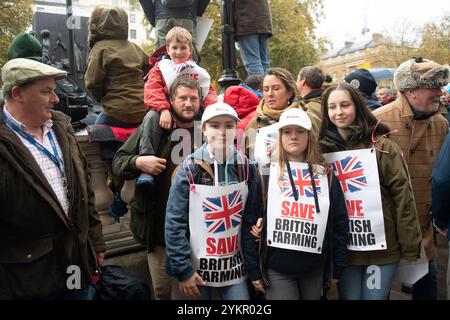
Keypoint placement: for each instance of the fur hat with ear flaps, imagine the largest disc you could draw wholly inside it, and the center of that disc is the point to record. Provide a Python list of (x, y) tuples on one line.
[(418, 73)]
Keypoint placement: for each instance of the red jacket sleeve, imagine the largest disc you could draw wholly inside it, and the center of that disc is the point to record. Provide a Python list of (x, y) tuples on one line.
[(210, 98), (155, 90)]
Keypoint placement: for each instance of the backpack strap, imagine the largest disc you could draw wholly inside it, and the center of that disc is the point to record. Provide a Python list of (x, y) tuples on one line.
[(205, 166), (243, 168), (189, 175), (174, 173), (330, 176), (239, 168), (264, 194)]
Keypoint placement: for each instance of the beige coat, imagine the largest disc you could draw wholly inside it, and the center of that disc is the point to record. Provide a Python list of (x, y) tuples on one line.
[(420, 141)]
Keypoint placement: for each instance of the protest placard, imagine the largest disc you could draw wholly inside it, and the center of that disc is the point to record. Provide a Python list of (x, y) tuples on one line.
[(215, 216), (297, 224), (357, 172), (265, 144)]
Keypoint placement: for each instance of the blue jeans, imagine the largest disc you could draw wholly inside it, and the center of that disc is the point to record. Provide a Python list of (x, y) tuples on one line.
[(113, 122), (367, 282), (426, 288), (234, 292), (254, 53)]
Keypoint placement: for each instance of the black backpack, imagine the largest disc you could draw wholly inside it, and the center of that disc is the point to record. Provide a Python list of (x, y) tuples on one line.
[(117, 283), (72, 99)]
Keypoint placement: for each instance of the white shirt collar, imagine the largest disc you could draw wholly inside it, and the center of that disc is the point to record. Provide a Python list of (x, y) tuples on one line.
[(47, 126)]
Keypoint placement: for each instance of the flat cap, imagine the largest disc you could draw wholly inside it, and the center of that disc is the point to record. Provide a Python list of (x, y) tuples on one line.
[(19, 71)]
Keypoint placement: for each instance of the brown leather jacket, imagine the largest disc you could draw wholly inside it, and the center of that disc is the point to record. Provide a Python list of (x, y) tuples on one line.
[(252, 17)]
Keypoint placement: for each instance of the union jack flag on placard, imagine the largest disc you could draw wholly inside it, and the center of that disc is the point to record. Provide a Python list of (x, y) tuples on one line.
[(302, 182), (269, 143), (350, 174), (224, 212), (181, 68)]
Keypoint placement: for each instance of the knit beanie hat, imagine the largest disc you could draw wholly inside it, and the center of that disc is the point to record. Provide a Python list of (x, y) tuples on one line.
[(420, 73), (24, 45), (362, 80)]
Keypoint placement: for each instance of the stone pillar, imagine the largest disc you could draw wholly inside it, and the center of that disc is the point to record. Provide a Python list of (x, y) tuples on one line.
[(99, 173), (121, 248), (117, 235), (127, 193)]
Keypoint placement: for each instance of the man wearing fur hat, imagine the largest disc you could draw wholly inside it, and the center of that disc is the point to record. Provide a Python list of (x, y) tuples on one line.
[(417, 115)]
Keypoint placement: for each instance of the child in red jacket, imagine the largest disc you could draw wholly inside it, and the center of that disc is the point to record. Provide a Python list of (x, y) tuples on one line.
[(156, 91)]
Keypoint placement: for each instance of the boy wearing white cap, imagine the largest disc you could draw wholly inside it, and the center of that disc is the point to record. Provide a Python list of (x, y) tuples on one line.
[(300, 253), (204, 213)]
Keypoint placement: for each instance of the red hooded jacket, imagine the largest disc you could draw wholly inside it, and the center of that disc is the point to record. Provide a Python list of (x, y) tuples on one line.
[(243, 101)]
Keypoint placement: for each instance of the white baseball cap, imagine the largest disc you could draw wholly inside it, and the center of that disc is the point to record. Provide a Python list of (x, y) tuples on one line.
[(295, 117), (219, 109)]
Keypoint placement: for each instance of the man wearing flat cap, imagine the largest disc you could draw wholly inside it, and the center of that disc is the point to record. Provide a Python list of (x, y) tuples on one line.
[(417, 115), (50, 234)]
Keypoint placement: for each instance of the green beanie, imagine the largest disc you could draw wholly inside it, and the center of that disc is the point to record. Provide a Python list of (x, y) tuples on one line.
[(24, 45)]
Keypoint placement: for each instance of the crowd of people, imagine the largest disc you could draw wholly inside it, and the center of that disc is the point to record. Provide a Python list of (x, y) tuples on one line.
[(293, 188)]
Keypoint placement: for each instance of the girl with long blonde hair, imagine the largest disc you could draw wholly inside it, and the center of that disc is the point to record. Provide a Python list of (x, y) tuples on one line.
[(293, 274)]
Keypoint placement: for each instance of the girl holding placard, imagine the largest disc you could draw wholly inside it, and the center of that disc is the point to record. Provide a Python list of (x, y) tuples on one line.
[(305, 223), (383, 225)]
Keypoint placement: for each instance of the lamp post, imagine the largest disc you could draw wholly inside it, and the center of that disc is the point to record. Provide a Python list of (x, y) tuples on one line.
[(70, 25), (229, 76)]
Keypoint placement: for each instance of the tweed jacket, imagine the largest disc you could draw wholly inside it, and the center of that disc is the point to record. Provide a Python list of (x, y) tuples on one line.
[(420, 141)]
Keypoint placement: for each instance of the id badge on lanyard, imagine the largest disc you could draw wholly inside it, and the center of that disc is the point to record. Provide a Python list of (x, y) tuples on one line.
[(55, 158)]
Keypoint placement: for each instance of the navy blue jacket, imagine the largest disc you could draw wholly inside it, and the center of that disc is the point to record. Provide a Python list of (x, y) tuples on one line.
[(372, 102), (441, 188)]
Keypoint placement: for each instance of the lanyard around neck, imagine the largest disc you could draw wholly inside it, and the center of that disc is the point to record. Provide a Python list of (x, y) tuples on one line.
[(291, 180), (53, 157)]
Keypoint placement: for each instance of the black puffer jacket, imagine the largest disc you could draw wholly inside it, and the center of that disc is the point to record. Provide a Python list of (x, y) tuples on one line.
[(163, 12), (372, 102), (154, 10)]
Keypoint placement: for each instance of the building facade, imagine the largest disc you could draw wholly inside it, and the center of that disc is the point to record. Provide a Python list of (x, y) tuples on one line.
[(365, 54), (137, 33)]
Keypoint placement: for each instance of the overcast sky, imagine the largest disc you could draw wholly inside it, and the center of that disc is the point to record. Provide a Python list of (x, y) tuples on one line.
[(345, 19)]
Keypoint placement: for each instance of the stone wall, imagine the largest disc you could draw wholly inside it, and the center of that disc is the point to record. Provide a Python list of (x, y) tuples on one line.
[(121, 249)]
